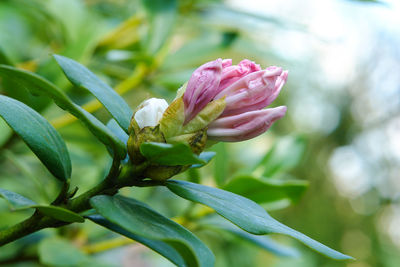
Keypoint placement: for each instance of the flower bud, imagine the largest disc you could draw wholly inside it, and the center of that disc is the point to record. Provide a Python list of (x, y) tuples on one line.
[(254, 91), (244, 126), (144, 127)]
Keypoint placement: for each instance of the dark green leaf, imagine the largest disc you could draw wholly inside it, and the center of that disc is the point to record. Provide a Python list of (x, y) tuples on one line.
[(139, 219), (169, 154), (39, 135), (245, 213), (162, 16), (4, 58), (56, 251), (16, 201), (80, 76), (266, 191), (206, 157), (39, 86), (163, 248), (117, 131), (60, 213)]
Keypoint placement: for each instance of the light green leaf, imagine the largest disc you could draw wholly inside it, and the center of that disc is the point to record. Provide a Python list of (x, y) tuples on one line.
[(206, 156), (163, 248), (39, 135), (283, 156), (245, 213), (15, 200), (57, 251), (60, 213), (161, 15), (39, 86), (82, 77), (221, 166), (139, 219), (169, 154), (267, 191)]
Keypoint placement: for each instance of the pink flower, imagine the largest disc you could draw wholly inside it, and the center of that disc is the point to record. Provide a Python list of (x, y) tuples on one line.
[(247, 90), (244, 126), (210, 79)]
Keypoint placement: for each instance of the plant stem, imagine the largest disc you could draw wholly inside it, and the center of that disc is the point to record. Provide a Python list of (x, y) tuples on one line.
[(108, 186)]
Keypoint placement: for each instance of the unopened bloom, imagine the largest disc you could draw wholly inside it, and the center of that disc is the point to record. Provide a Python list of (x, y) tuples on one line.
[(244, 126), (209, 80), (150, 112)]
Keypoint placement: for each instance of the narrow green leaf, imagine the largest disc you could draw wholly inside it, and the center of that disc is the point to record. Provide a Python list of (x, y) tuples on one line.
[(245, 213), (169, 154), (15, 200), (163, 248), (39, 86), (56, 251), (267, 191), (117, 131), (60, 213), (82, 77), (221, 165), (18, 202), (39, 135), (139, 219), (162, 16), (4, 59), (206, 156)]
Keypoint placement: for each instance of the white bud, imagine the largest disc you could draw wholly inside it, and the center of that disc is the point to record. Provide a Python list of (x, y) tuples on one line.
[(150, 112)]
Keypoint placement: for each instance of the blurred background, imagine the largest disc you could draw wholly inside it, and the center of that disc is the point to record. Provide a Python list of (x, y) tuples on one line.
[(341, 134)]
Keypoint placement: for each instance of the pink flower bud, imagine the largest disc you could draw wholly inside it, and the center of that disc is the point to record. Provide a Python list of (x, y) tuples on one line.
[(254, 91), (244, 126), (202, 88)]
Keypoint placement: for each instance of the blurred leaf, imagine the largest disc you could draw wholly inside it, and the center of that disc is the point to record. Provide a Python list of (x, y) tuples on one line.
[(19, 202), (15, 200), (82, 77), (57, 251), (4, 58), (245, 213), (283, 156), (139, 219), (161, 15), (60, 213), (39, 86), (206, 156), (39, 135), (163, 248), (221, 164), (169, 154), (264, 191)]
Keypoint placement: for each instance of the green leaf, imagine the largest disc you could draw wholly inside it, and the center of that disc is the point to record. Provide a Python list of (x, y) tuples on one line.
[(162, 15), (82, 77), (245, 213), (60, 213), (15, 200), (163, 248), (117, 131), (40, 86), (18, 202), (39, 135), (4, 58), (169, 154), (283, 156), (221, 165), (206, 156), (139, 219), (267, 191), (57, 251)]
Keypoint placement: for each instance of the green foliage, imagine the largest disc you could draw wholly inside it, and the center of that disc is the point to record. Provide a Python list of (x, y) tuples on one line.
[(39, 86), (244, 213), (141, 220), (80, 76), (60, 252), (39, 135), (169, 154)]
